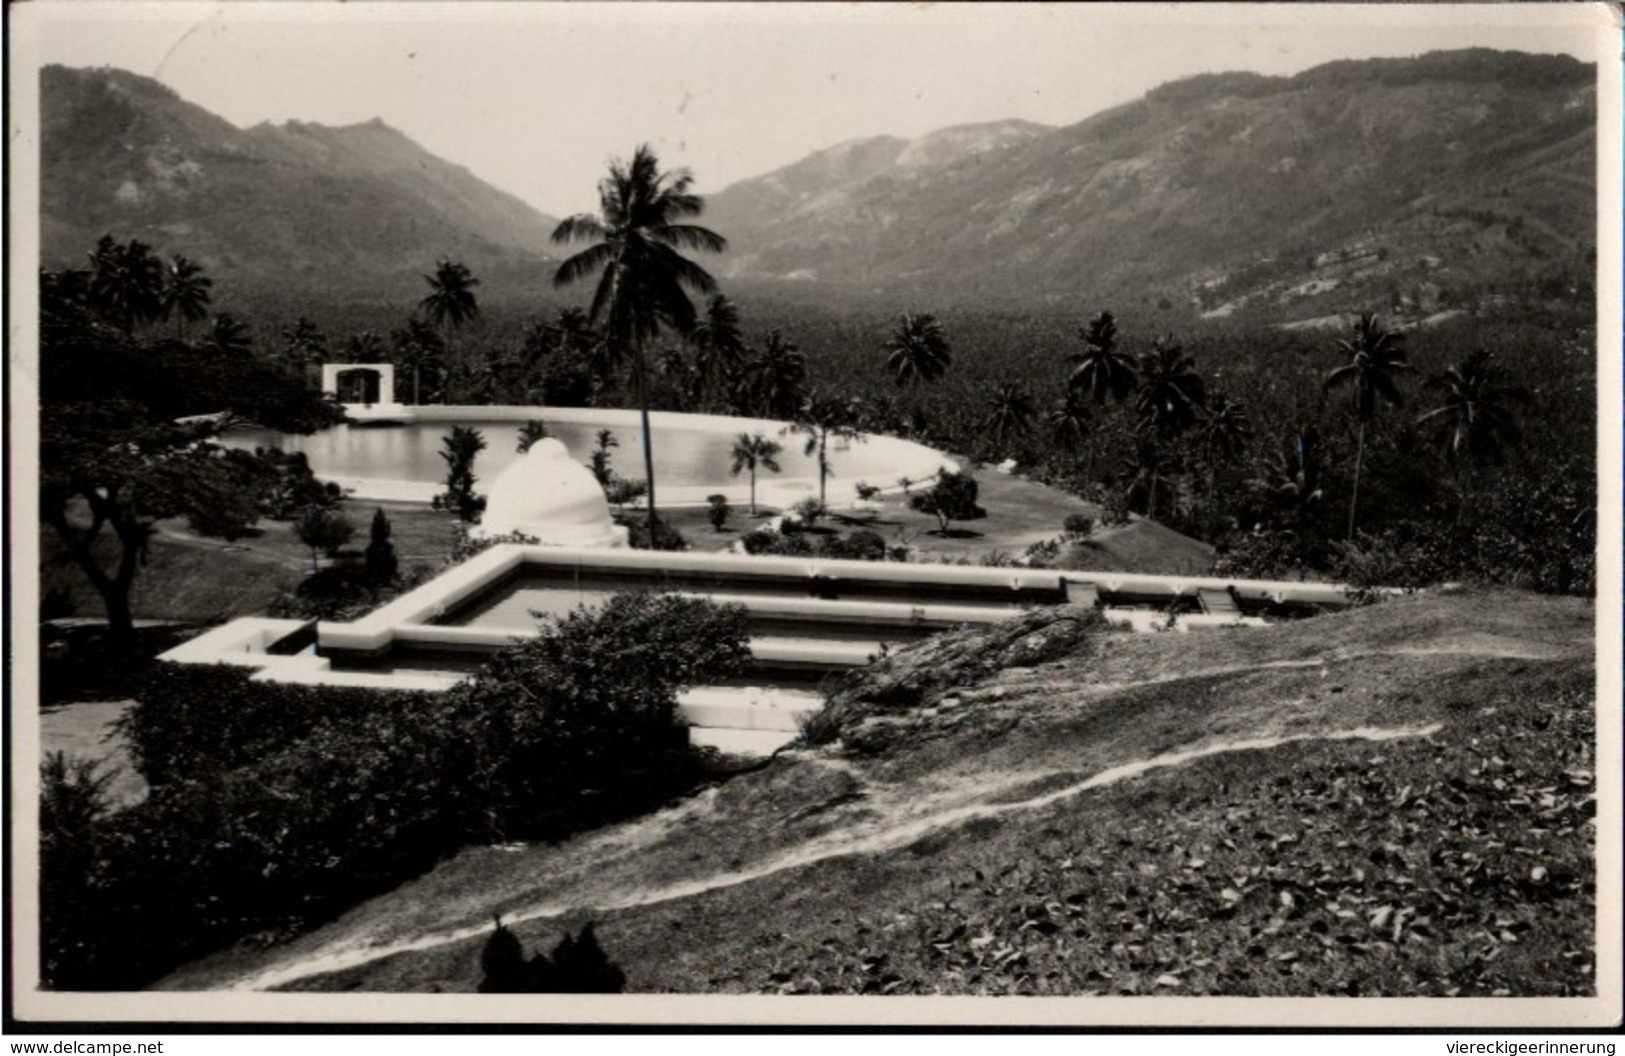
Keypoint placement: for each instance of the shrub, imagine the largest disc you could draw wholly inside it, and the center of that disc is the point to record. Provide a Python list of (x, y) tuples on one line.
[(382, 567), (861, 545), (866, 491), (458, 450), (325, 531), (1078, 526), (293, 487), (778, 544), (808, 512), (623, 492), (638, 537), (718, 511), (275, 806), (579, 965)]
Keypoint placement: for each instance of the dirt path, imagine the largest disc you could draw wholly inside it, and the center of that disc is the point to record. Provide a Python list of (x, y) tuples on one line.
[(886, 823)]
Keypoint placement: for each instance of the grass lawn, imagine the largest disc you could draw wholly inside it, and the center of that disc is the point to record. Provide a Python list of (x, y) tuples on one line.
[(1020, 513), (192, 579)]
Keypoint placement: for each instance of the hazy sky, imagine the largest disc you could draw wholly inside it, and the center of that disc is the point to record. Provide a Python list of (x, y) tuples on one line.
[(535, 98)]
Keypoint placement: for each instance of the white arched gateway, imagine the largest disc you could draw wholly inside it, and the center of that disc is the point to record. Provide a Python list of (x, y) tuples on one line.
[(367, 384)]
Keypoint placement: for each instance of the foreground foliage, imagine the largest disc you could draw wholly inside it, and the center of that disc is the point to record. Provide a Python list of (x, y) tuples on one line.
[(275, 806)]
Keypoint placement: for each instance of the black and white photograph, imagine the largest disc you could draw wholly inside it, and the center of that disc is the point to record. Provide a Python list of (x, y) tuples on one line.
[(807, 514)]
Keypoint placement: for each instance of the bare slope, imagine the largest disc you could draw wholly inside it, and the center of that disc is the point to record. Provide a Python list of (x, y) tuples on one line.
[(1392, 800)]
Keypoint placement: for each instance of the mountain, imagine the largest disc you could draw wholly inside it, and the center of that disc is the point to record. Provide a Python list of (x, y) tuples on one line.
[(361, 209), (1456, 175)]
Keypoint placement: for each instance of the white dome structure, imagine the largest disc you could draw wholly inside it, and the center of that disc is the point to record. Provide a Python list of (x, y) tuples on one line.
[(550, 497)]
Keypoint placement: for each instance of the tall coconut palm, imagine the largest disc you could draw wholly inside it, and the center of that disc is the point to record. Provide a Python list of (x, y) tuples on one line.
[(1475, 423), (1226, 431), (1069, 421), (1171, 399), (126, 282), (186, 293), (774, 382), (451, 294), (1010, 414), (1101, 369), (642, 276), (753, 453), (451, 298), (418, 348), (719, 344), (303, 346), (1375, 355), (919, 349), (364, 346)]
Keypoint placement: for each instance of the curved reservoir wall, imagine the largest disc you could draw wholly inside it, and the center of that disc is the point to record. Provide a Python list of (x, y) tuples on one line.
[(692, 453)]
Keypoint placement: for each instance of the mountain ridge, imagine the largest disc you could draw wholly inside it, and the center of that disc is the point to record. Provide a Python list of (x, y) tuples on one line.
[(1462, 169), (1453, 181), (359, 208)]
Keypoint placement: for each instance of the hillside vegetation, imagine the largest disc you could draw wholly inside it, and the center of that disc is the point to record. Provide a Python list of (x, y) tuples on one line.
[(1394, 800)]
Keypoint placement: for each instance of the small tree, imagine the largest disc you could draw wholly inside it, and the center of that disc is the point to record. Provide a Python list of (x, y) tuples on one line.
[(718, 511), (382, 565), (460, 447), (530, 432), (951, 498), (820, 419), (753, 452), (325, 532), (599, 460)]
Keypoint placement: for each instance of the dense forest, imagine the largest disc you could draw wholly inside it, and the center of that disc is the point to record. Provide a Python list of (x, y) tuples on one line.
[(1262, 466)]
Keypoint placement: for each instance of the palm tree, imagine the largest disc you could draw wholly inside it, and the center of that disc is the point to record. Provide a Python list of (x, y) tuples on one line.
[(642, 276), (186, 293), (1100, 369), (228, 337), (751, 452), (1225, 433), (126, 282), (822, 417), (451, 299), (774, 382), (1474, 423), (451, 294), (416, 347), (1011, 414), (1375, 356), (364, 347), (303, 346), (719, 345), (919, 349), (1170, 401)]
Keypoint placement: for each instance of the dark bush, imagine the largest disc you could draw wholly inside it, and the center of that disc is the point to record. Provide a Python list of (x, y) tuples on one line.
[(275, 806), (1078, 525), (382, 567), (861, 545), (718, 511), (194, 720), (579, 965), (665, 536)]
